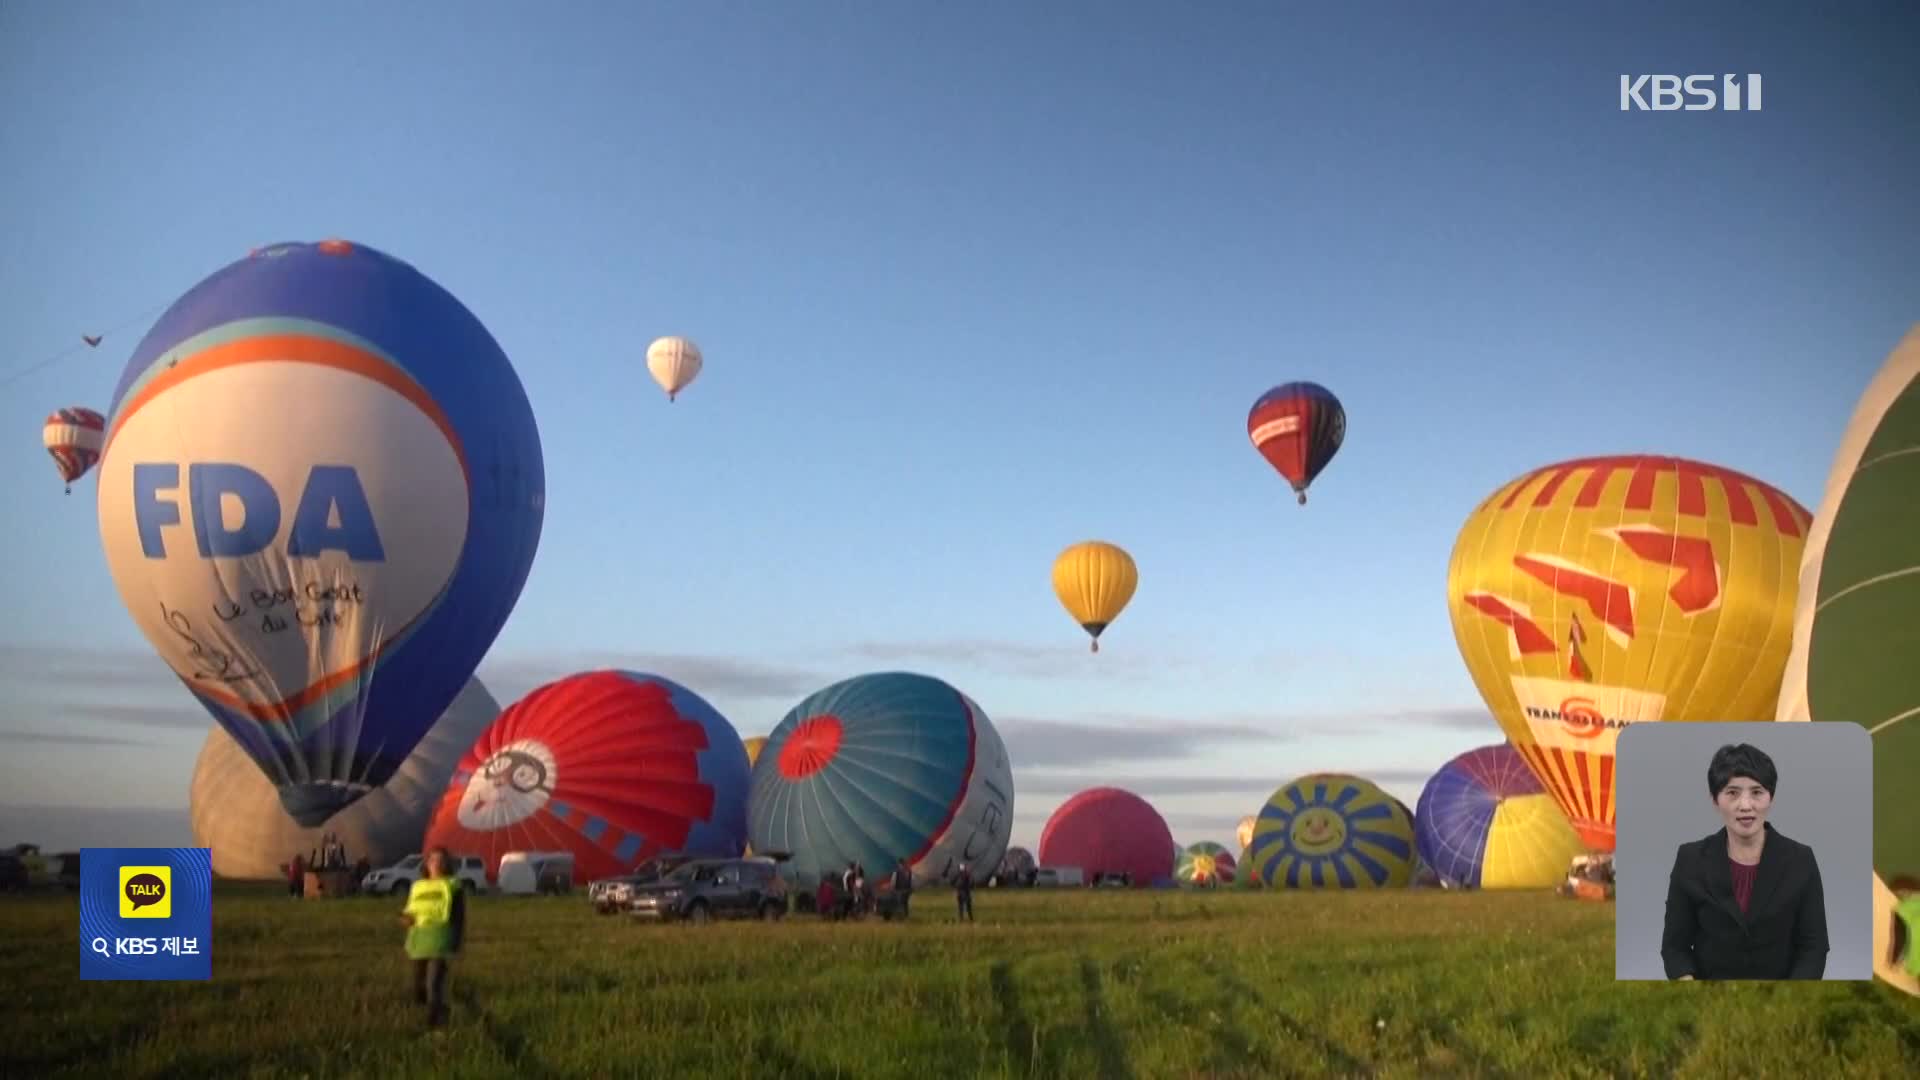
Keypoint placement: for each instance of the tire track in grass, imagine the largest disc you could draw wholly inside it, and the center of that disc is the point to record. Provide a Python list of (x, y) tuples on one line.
[(1106, 1041), (1331, 1053), (505, 1037)]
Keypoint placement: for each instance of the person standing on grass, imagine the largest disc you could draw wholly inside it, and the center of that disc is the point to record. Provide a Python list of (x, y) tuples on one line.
[(903, 886), (296, 876), (963, 893), (436, 920)]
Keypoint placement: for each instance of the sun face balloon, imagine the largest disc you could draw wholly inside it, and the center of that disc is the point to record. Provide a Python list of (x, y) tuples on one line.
[(1602, 592), (235, 810), (614, 766), (884, 767), (1485, 822), (320, 493), (1331, 830), (1856, 631)]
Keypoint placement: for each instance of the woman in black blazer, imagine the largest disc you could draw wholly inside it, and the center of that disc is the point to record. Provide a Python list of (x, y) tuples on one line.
[(1744, 902)]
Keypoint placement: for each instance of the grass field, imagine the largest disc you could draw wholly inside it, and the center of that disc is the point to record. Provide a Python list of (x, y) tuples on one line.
[(1076, 984)]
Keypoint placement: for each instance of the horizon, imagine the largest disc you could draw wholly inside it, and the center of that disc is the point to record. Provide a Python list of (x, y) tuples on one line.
[(972, 287)]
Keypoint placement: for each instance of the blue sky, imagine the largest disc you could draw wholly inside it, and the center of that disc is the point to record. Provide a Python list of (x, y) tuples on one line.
[(975, 282)]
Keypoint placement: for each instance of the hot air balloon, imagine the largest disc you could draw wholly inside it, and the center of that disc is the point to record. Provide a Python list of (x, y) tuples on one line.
[(1423, 874), (1485, 822), (235, 810), (1297, 427), (674, 362), (1108, 831), (613, 766), (1017, 866), (1243, 876), (321, 493), (1094, 581), (1243, 833), (1602, 592), (753, 747), (1856, 628), (1332, 830), (879, 768), (74, 437), (1205, 864)]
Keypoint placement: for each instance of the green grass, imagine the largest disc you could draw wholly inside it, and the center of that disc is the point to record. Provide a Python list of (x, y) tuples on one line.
[(1077, 984)]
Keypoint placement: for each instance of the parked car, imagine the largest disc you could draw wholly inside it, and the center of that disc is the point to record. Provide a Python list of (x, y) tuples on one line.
[(13, 873), (1054, 877), (707, 889), (469, 870), (608, 895)]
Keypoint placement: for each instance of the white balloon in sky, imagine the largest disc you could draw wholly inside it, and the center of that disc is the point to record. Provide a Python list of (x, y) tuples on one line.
[(674, 362)]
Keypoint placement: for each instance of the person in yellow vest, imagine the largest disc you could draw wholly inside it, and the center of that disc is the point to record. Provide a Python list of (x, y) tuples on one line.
[(436, 921), (1906, 925)]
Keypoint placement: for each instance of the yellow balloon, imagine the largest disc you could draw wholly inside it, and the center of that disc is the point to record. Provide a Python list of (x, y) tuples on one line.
[(1602, 592), (1094, 581), (754, 746)]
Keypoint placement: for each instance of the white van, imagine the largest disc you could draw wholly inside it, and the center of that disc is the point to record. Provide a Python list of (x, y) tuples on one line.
[(1055, 877), (524, 873), (469, 870)]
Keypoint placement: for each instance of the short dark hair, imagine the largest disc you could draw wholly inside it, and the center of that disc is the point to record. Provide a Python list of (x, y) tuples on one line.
[(1741, 759)]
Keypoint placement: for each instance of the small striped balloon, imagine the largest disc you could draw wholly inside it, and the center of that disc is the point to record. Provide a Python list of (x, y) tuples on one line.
[(73, 436)]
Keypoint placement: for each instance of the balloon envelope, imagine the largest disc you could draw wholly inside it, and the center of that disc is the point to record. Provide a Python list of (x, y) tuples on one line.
[(674, 362), (880, 768), (1297, 427), (1107, 830), (1331, 830), (1856, 628), (1017, 863), (320, 494), (613, 766), (1243, 833), (1485, 821), (73, 438), (1205, 863), (1602, 592), (236, 812), (1094, 581)]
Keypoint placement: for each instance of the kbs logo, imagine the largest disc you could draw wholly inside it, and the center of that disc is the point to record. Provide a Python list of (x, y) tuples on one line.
[(1670, 93)]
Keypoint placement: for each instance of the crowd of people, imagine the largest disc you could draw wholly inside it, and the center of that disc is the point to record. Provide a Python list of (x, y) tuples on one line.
[(855, 894)]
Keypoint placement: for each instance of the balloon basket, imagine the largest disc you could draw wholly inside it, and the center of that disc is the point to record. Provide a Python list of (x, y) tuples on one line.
[(327, 885)]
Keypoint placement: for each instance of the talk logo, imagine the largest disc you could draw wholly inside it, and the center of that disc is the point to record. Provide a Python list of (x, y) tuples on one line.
[(1599, 593), (146, 892)]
